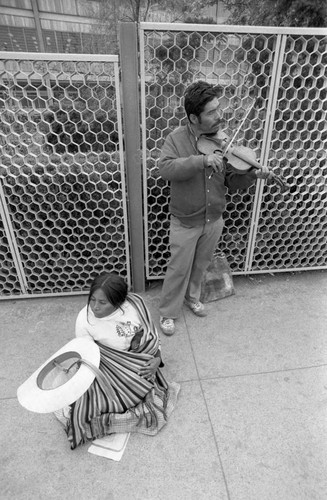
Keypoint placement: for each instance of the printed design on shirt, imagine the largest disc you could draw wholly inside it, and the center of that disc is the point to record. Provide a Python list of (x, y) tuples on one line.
[(126, 329)]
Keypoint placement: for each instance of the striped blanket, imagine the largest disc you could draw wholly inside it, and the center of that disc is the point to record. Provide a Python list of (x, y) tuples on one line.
[(119, 400)]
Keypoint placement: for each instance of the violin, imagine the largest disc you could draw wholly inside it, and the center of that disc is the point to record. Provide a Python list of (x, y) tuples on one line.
[(241, 158)]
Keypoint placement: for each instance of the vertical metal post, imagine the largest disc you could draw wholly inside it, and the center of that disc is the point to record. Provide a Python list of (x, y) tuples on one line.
[(266, 141), (38, 26), (40, 39), (132, 139)]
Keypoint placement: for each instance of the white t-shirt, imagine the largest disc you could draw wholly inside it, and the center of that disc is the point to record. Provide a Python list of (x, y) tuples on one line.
[(115, 330)]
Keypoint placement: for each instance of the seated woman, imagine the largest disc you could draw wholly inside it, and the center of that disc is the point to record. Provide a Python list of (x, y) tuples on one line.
[(132, 395)]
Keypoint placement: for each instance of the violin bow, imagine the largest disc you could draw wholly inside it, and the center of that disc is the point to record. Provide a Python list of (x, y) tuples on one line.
[(228, 145)]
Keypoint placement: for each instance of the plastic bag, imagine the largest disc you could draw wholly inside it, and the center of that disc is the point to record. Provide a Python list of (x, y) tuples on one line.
[(217, 282)]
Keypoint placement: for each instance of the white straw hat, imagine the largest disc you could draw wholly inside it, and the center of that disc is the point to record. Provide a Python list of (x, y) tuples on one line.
[(62, 379)]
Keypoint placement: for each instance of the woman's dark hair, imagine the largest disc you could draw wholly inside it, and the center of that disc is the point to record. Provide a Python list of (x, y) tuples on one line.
[(114, 287), (197, 95)]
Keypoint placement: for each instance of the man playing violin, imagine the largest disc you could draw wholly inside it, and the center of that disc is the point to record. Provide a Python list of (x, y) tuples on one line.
[(198, 184)]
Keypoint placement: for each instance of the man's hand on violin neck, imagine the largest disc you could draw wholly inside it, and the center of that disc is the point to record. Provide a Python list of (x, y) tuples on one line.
[(215, 161), (264, 173)]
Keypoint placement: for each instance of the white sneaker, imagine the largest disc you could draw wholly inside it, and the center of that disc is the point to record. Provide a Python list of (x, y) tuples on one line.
[(196, 307), (167, 325)]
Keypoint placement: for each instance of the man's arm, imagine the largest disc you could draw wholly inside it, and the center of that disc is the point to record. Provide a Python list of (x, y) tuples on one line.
[(235, 181), (174, 166)]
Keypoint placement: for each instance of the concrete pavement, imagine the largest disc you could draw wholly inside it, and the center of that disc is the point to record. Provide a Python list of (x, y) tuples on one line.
[(251, 420)]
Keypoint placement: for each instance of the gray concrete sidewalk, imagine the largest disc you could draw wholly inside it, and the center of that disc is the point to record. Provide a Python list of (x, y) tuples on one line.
[(251, 420)]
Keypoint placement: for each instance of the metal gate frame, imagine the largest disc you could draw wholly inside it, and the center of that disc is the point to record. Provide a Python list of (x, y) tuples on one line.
[(281, 39), (136, 159), (5, 216)]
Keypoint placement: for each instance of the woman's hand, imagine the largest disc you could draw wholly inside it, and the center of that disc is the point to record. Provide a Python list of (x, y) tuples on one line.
[(149, 369)]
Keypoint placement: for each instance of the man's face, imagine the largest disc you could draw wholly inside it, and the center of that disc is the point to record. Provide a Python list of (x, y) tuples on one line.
[(208, 122)]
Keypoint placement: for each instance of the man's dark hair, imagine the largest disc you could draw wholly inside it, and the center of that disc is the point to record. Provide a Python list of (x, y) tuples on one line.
[(197, 95)]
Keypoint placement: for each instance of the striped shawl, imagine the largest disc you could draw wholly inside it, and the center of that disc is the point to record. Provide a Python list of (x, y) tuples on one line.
[(119, 400)]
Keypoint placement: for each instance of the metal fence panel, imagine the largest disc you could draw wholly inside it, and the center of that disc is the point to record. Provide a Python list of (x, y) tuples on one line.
[(254, 68), (292, 228), (62, 170)]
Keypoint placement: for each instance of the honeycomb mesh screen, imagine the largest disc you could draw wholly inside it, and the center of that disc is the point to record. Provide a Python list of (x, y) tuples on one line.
[(61, 174), (277, 85)]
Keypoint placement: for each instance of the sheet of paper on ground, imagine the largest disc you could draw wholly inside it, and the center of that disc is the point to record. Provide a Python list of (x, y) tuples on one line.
[(112, 446)]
